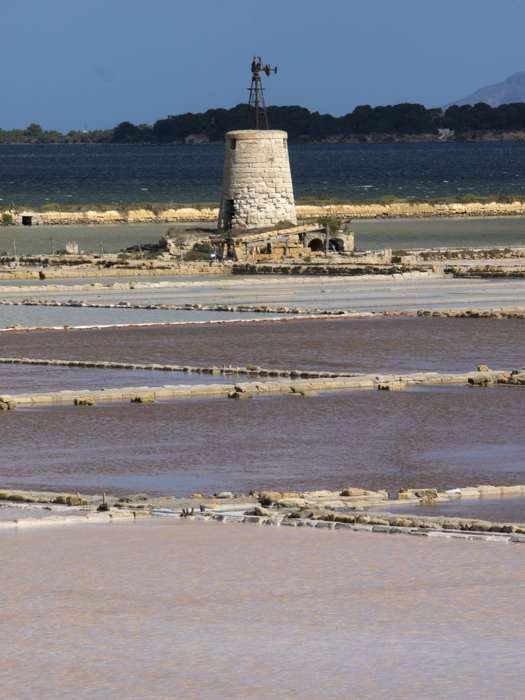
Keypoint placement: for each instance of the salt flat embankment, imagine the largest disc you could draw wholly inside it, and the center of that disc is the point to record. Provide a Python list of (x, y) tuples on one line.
[(189, 213)]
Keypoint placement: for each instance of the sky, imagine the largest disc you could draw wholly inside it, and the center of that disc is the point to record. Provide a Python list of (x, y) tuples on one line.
[(91, 64)]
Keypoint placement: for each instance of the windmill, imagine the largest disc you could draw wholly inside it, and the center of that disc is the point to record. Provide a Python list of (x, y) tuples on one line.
[(256, 107)]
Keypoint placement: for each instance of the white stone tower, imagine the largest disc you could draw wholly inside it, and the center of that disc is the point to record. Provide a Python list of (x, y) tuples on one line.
[(257, 187)]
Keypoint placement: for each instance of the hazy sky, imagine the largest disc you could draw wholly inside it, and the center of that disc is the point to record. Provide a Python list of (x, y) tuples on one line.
[(71, 63)]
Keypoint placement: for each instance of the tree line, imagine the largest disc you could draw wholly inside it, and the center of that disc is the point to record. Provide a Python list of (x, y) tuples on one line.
[(299, 122)]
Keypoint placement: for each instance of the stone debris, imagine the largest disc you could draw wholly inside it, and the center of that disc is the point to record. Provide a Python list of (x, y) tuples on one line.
[(7, 403), (144, 398), (320, 509)]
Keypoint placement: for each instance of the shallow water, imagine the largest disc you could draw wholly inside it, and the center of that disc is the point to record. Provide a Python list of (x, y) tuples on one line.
[(369, 235), (158, 610), (380, 345), (438, 437), (508, 508), (15, 512), (439, 233), (58, 316), (43, 240), (21, 379)]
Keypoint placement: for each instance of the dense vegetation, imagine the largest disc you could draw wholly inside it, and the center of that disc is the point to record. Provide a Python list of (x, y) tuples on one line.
[(300, 123), (35, 134)]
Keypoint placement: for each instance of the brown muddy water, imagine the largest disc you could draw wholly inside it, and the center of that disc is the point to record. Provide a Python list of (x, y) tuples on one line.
[(379, 345), (202, 610), (443, 437)]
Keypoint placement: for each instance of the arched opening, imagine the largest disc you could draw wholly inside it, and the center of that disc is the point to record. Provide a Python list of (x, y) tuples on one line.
[(316, 244)]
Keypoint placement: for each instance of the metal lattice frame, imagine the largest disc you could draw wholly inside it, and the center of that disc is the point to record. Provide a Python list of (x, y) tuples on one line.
[(256, 107)]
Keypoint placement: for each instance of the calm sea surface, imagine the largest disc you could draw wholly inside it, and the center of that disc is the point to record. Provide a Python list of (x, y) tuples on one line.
[(181, 609), (34, 176)]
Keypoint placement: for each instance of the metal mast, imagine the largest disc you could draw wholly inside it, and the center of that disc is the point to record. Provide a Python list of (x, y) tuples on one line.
[(256, 106)]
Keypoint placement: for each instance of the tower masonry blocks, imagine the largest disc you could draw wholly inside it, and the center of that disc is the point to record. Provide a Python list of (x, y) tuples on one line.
[(257, 187)]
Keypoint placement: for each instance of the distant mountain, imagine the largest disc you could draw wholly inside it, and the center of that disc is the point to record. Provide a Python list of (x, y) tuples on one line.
[(509, 91)]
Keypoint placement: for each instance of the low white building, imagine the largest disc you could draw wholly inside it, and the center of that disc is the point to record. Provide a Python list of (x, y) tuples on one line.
[(196, 139)]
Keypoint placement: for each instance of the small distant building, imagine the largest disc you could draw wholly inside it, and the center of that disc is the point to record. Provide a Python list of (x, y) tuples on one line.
[(445, 135), (196, 139)]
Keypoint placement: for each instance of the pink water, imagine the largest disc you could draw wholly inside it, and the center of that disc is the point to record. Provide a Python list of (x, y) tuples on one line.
[(203, 610)]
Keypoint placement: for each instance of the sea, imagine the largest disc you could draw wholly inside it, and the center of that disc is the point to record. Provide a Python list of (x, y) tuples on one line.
[(38, 175), (33, 176)]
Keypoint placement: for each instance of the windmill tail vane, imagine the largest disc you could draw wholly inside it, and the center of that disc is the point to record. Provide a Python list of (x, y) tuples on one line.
[(256, 107)]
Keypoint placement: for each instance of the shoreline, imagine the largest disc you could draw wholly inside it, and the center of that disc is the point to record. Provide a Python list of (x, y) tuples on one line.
[(206, 213)]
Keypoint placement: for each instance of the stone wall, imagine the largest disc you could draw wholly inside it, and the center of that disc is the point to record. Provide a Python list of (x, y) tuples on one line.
[(257, 187)]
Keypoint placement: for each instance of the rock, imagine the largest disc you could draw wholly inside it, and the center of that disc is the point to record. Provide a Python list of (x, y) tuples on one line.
[(483, 380), (144, 398), (489, 490), (364, 519), (401, 522), (392, 386), (451, 525), (511, 490), (343, 518), (318, 494), (291, 503), (224, 494), (19, 498), (469, 493), (334, 505), (483, 368), (135, 498), (402, 495), (76, 501), (259, 510), (266, 498), (422, 493), (240, 395), (427, 501), (378, 521), (352, 492), (88, 401), (480, 526)]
